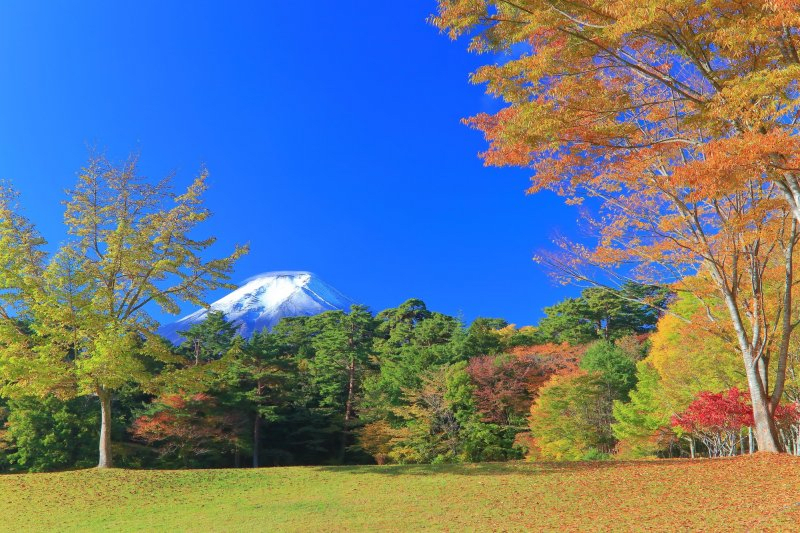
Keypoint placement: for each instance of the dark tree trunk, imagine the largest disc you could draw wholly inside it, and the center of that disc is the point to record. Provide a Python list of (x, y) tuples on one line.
[(348, 408), (351, 387), (256, 440)]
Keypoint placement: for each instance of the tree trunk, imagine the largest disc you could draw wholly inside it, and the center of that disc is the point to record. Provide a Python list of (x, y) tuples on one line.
[(765, 431), (105, 429), (756, 364), (256, 439), (348, 408), (797, 442), (351, 386)]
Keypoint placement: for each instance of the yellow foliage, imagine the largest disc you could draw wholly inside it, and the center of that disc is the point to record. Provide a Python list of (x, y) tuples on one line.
[(689, 360)]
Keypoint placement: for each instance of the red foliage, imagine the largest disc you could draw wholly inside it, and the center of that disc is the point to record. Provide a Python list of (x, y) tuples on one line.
[(787, 415), (557, 357), (186, 425), (729, 410), (506, 385), (717, 420), (724, 411)]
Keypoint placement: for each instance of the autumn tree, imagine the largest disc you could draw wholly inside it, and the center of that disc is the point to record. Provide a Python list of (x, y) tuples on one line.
[(571, 418), (504, 386), (132, 246), (442, 424), (690, 359), (435, 396), (186, 427), (677, 120), (717, 419)]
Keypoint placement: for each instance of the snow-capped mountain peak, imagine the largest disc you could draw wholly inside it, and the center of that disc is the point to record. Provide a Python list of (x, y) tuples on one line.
[(266, 298)]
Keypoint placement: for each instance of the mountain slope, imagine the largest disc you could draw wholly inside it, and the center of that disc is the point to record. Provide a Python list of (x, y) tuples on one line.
[(265, 299)]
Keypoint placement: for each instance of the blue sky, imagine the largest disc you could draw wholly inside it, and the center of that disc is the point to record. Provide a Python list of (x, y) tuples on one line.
[(331, 131)]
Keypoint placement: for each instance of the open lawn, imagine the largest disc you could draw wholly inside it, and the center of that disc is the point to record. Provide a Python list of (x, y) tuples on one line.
[(745, 493)]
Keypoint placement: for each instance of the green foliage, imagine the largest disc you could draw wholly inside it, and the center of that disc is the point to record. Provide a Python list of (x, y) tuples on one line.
[(601, 313), (406, 351), (442, 424), (480, 441), (50, 434), (342, 351), (131, 246), (407, 385), (483, 337), (639, 420), (396, 326), (208, 340), (567, 321), (616, 368)]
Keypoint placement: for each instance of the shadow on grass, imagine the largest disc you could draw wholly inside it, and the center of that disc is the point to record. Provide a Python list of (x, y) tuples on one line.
[(511, 468)]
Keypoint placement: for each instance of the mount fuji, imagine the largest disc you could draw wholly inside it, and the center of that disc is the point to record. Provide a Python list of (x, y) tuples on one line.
[(265, 299)]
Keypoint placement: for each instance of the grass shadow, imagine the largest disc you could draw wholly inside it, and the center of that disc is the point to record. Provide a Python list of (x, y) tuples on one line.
[(511, 468)]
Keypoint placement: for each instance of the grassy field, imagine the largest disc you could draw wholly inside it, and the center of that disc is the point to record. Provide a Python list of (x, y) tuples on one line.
[(747, 493)]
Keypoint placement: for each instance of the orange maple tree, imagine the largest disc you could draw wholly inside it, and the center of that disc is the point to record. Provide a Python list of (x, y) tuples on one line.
[(679, 121), (187, 425)]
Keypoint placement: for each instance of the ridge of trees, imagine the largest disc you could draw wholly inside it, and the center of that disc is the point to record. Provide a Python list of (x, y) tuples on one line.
[(403, 385)]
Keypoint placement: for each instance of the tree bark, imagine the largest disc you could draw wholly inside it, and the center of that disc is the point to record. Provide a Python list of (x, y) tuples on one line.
[(351, 386), (765, 431), (256, 439), (797, 442), (105, 429), (348, 408)]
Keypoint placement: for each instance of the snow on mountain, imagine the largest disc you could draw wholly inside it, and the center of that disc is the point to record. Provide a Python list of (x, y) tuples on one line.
[(264, 299)]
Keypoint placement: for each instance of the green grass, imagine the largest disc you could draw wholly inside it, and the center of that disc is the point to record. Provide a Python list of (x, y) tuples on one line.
[(749, 493)]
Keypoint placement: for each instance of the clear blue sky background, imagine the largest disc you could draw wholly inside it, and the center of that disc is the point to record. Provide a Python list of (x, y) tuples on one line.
[(331, 130)]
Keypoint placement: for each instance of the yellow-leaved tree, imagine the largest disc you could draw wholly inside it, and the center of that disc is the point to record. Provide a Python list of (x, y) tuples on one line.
[(77, 322)]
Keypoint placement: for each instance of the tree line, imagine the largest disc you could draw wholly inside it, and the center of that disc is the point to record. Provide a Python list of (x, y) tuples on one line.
[(82, 367), (405, 385), (600, 376), (644, 370)]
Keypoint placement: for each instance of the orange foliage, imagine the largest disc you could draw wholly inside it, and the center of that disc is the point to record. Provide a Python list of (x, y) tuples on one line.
[(557, 357), (679, 121), (186, 425)]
